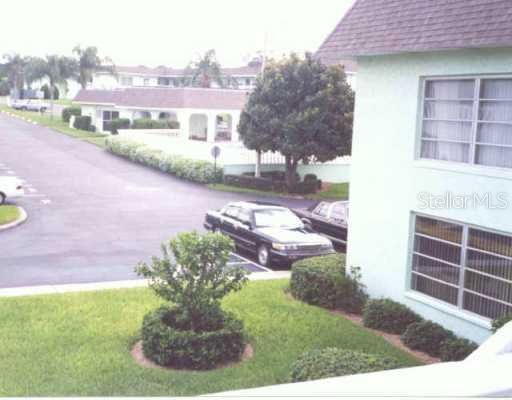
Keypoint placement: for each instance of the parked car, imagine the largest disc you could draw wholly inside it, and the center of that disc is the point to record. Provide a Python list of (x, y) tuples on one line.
[(29, 105), (328, 219), (10, 187), (274, 234)]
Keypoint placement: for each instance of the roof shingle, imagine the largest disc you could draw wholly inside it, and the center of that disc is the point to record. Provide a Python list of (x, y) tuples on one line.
[(376, 27)]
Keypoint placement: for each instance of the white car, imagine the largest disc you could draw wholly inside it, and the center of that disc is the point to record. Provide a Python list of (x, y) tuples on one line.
[(10, 187), (30, 105)]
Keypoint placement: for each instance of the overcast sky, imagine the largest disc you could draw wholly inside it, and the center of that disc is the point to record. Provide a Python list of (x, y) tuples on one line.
[(156, 32)]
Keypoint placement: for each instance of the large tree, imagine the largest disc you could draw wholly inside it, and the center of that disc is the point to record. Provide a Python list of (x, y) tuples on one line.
[(14, 70), (301, 109), (88, 63), (205, 71)]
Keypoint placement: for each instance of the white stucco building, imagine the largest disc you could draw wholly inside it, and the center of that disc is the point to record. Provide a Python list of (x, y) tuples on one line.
[(431, 178)]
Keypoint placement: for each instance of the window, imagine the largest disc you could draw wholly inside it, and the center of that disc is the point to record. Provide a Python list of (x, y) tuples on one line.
[(322, 209), (231, 212), (466, 266), (162, 81), (468, 121), (147, 81), (340, 211), (110, 115), (276, 218)]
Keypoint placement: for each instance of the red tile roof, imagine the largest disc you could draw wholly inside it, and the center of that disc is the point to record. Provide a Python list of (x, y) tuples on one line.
[(165, 98), (374, 27)]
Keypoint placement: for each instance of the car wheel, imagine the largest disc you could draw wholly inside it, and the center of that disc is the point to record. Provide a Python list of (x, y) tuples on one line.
[(2, 198), (263, 255)]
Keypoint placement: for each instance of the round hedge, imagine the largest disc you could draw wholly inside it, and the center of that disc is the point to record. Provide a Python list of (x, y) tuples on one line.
[(330, 362), (168, 341), (426, 336), (456, 349), (322, 281), (388, 316)]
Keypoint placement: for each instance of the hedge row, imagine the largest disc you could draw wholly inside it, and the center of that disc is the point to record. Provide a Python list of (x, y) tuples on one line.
[(273, 181), (322, 281), (417, 334), (186, 168), (83, 122), (147, 123)]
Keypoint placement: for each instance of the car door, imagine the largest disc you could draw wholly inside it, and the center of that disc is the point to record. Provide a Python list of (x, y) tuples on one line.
[(229, 221), (320, 217), (243, 230), (338, 219)]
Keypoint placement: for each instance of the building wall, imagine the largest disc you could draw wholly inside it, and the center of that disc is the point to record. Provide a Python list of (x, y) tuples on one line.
[(386, 179)]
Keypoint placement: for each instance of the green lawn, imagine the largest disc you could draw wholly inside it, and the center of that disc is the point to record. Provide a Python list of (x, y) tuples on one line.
[(337, 191), (78, 344), (58, 125), (64, 102), (8, 214)]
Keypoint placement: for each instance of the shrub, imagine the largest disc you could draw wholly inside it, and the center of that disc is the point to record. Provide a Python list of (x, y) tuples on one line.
[(167, 343), (147, 123), (322, 281), (330, 362), (189, 169), (313, 178), (305, 187), (426, 336), (193, 275), (249, 182), (456, 349), (388, 316), (501, 321), (69, 111), (119, 123), (82, 122)]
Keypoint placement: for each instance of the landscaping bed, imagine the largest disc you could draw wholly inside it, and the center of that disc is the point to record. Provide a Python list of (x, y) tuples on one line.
[(79, 344), (8, 214)]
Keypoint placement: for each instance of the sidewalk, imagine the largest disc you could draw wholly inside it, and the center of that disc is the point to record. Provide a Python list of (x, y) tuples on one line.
[(88, 287)]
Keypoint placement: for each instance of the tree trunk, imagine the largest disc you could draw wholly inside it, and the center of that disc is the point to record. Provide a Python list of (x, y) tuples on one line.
[(52, 90), (290, 172), (257, 168)]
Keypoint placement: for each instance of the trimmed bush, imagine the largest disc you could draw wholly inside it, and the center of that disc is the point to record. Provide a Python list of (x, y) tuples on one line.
[(322, 281), (306, 187), (189, 169), (69, 111), (147, 123), (388, 316), (313, 178), (331, 362), (456, 349), (501, 321), (82, 122), (119, 123), (249, 182), (426, 336), (168, 340)]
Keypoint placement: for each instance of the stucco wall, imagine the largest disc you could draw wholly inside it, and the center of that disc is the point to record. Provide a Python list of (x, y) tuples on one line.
[(386, 179)]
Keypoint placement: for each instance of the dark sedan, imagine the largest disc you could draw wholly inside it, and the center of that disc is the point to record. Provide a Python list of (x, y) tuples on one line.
[(328, 219), (273, 233)]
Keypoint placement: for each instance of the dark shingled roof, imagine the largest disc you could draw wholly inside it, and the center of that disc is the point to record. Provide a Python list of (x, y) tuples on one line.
[(213, 99), (376, 27)]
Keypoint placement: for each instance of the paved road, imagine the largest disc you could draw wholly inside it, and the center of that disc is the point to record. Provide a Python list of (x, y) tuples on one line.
[(92, 216)]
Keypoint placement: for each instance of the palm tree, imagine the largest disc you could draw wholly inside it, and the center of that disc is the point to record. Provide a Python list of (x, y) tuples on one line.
[(14, 69), (88, 63), (57, 69), (205, 71)]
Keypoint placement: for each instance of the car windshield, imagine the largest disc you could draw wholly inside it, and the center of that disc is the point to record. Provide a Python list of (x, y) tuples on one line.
[(276, 218)]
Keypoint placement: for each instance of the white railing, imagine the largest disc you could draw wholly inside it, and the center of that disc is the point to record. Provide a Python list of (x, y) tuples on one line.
[(486, 372)]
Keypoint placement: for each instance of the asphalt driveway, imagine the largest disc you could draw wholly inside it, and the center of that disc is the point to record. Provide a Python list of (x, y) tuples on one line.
[(92, 216)]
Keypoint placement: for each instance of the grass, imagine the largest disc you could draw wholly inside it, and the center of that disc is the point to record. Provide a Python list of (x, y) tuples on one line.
[(78, 344), (336, 191), (58, 125), (64, 102), (8, 214)]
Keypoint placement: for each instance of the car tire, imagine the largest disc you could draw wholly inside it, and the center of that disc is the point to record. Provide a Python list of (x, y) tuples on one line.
[(2, 198), (263, 255)]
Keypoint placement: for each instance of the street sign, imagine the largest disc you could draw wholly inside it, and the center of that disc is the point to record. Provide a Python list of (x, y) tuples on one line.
[(215, 151)]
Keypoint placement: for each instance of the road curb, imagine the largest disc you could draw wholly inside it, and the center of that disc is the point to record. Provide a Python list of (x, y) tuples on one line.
[(98, 286), (23, 217)]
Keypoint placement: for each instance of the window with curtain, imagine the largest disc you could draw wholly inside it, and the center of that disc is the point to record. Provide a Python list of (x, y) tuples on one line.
[(468, 121), (468, 267)]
